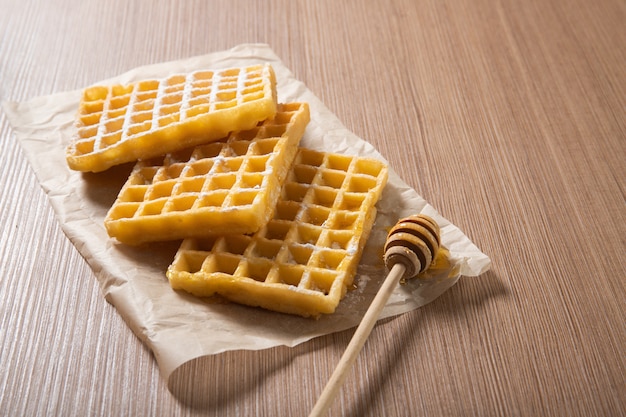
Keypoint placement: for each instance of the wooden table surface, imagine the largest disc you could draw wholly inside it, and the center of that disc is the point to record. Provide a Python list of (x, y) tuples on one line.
[(507, 116)]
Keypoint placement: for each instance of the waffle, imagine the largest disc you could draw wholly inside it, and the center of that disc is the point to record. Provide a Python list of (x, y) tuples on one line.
[(304, 259), (123, 123), (229, 186)]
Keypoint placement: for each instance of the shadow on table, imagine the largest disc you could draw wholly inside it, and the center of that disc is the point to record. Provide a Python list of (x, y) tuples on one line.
[(224, 381), (468, 295)]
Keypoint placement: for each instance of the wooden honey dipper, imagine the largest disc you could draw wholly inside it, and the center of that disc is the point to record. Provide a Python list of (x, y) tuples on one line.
[(411, 246)]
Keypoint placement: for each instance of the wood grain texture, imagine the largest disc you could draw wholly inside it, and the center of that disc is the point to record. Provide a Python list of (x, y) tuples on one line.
[(507, 116)]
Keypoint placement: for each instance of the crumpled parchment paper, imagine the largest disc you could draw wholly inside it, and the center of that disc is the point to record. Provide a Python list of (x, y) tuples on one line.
[(176, 326)]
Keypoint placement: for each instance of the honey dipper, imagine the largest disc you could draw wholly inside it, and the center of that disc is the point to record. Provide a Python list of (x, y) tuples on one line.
[(411, 246)]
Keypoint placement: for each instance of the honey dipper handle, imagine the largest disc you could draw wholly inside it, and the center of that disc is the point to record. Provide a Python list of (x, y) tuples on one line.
[(358, 340)]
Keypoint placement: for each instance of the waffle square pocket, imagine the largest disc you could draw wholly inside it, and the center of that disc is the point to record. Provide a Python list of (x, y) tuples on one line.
[(303, 260)]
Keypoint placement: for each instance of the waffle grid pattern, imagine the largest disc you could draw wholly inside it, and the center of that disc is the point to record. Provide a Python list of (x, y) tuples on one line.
[(123, 123), (230, 186), (304, 259)]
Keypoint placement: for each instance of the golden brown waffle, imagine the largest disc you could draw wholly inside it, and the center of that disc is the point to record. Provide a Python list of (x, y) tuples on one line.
[(304, 259), (124, 123), (230, 186)]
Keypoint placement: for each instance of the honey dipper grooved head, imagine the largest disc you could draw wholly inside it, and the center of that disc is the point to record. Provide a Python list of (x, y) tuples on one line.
[(413, 242)]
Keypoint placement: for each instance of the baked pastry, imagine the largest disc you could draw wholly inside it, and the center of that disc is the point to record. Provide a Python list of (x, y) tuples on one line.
[(124, 123), (229, 186), (303, 260)]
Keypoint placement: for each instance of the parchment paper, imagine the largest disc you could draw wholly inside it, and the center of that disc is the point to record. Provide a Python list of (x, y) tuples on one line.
[(176, 326)]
